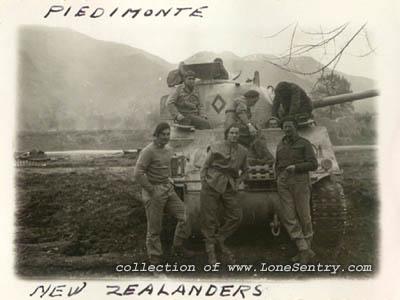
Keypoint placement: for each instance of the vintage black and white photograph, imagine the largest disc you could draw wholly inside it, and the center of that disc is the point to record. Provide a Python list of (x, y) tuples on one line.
[(195, 142)]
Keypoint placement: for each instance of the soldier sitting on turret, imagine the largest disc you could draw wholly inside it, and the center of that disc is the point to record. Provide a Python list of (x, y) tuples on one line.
[(239, 113), (185, 105), (294, 101), (221, 73)]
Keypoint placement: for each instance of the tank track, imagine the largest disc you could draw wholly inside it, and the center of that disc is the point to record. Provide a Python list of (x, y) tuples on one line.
[(329, 212)]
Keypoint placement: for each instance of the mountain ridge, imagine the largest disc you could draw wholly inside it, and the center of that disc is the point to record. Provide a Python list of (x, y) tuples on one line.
[(70, 81)]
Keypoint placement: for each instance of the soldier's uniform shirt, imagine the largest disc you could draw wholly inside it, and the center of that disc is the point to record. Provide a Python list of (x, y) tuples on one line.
[(298, 152), (222, 165), (153, 165), (152, 172), (294, 100), (185, 101), (218, 175), (238, 113), (294, 188)]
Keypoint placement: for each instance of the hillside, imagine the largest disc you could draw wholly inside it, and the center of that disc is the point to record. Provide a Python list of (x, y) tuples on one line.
[(69, 81)]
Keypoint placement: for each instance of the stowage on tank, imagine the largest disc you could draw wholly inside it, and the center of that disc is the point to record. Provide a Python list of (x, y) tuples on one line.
[(258, 193)]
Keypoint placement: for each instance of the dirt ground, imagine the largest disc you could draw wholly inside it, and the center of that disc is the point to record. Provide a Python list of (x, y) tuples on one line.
[(81, 217)]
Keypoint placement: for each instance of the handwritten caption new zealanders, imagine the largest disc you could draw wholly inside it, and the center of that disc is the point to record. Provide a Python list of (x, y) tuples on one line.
[(239, 291)]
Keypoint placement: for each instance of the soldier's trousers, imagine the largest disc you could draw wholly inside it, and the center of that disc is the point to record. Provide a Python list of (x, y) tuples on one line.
[(165, 198), (195, 121), (210, 200), (295, 213)]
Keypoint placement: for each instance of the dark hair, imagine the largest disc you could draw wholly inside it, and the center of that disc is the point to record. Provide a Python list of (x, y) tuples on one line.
[(289, 119), (190, 73), (283, 89), (274, 118), (161, 127), (251, 94), (229, 128), (218, 60)]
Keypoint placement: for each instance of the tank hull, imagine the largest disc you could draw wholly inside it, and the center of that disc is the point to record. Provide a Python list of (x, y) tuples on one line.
[(260, 204)]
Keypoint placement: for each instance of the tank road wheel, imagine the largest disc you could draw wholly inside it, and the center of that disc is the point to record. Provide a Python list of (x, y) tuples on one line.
[(329, 212)]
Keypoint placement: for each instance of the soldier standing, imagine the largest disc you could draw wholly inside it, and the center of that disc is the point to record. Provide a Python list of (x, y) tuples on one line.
[(220, 180), (294, 100), (152, 172), (295, 157), (185, 106)]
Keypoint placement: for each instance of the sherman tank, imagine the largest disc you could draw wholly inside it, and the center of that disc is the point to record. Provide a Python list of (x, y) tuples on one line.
[(258, 194)]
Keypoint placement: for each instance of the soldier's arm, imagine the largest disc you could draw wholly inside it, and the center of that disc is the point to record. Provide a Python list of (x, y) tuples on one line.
[(139, 174), (310, 161), (206, 166), (171, 103), (241, 111), (201, 108), (276, 159), (275, 106), (295, 101), (244, 168)]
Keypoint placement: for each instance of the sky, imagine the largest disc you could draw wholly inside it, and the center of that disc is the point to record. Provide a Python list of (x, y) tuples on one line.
[(224, 26)]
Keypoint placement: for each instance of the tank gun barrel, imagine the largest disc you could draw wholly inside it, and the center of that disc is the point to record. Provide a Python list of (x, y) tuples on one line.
[(327, 101)]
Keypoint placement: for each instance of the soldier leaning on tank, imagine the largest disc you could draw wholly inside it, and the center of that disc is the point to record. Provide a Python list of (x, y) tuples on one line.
[(152, 172), (295, 157), (294, 100), (185, 105), (238, 113), (220, 180)]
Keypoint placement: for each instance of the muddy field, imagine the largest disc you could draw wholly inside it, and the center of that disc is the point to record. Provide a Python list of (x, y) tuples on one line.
[(82, 216)]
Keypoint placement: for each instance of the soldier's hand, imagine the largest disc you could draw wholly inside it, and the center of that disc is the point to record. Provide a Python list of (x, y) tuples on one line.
[(252, 129), (180, 117), (291, 168), (236, 187)]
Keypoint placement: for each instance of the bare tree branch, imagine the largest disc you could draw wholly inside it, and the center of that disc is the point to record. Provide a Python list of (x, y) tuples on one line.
[(336, 57), (274, 35), (291, 44), (368, 42), (307, 48), (325, 33)]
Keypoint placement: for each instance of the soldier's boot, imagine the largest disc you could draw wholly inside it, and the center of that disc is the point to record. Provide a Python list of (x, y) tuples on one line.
[(212, 257), (295, 258), (311, 252), (229, 257), (304, 257), (181, 251), (155, 259), (301, 245)]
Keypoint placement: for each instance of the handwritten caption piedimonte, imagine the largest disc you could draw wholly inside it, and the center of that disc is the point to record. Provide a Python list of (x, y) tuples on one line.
[(123, 12)]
